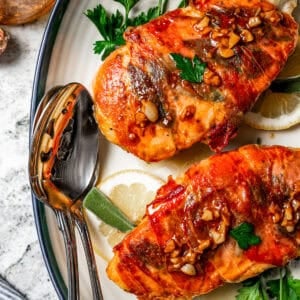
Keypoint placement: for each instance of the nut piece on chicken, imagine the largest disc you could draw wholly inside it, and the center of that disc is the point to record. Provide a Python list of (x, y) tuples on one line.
[(183, 246), (143, 104)]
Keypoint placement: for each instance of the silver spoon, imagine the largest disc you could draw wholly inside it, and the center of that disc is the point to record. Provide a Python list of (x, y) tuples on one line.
[(63, 166), (64, 221)]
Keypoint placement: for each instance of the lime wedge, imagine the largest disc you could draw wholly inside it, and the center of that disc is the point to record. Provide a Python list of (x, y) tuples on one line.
[(99, 204)]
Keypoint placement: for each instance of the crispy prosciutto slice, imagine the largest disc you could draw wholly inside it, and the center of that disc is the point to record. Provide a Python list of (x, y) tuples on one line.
[(142, 102), (184, 246)]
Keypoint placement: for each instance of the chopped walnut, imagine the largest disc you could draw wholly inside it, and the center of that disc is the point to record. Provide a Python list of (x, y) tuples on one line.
[(202, 24), (254, 22), (276, 213), (226, 52), (207, 215), (273, 16), (175, 253), (140, 119), (211, 78), (246, 36), (217, 236), (233, 39), (296, 204), (291, 216), (188, 269), (150, 110), (202, 246), (170, 246)]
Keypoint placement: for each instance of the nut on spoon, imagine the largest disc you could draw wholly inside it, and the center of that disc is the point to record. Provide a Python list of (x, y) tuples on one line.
[(63, 162)]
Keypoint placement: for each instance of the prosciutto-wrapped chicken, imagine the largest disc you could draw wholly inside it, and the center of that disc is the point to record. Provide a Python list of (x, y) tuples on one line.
[(228, 218), (190, 75)]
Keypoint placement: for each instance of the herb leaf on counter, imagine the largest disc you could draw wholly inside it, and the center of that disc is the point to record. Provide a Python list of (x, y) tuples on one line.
[(112, 26), (190, 69)]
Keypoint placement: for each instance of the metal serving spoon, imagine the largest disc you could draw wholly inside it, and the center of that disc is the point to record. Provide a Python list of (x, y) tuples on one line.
[(63, 166)]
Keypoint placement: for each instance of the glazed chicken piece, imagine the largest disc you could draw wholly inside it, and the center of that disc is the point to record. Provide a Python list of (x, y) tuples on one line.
[(141, 101), (183, 246)]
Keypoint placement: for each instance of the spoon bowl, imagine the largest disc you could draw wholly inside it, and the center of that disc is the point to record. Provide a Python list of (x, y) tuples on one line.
[(64, 165)]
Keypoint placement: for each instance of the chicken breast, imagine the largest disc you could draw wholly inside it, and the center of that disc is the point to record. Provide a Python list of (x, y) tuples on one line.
[(142, 102), (183, 246)]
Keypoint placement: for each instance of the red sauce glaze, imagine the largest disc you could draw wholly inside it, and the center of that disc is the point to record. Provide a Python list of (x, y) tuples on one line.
[(165, 207), (220, 136), (277, 253), (209, 279), (238, 186), (160, 25)]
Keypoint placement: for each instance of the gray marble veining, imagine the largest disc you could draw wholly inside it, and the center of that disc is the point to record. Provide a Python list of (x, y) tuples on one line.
[(21, 261)]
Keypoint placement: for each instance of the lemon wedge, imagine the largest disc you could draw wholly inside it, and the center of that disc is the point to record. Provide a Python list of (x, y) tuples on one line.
[(129, 190), (275, 111), (279, 107)]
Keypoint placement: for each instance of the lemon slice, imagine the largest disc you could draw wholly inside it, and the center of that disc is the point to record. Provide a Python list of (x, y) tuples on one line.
[(130, 191), (280, 109), (275, 111)]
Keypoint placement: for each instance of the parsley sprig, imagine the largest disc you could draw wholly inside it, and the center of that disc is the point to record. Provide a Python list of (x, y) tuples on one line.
[(244, 235), (253, 289), (112, 26), (183, 3), (190, 69), (286, 287)]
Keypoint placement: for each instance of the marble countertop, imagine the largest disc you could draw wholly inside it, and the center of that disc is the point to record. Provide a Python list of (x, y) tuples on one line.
[(21, 261)]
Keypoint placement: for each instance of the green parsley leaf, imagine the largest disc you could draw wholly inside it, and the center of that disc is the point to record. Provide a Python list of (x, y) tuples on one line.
[(144, 17), (252, 292), (105, 23), (113, 26), (128, 4), (278, 288), (244, 235), (162, 6), (104, 48), (183, 3), (190, 69), (294, 285), (284, 288), (274, 287)]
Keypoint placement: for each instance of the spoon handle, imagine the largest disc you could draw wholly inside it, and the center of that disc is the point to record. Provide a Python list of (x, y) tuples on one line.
[(67, 227), (7, 291), (90, 258)]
